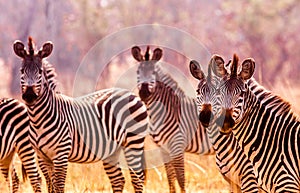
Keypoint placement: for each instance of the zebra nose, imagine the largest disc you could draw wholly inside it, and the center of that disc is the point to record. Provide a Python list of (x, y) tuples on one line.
[(29, 96), (225, 121), (206, 115), (144, 86), (144, 92)]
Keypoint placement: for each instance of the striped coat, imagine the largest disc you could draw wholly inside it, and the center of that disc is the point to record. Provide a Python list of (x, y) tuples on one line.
[(83, 130), (14, 138)]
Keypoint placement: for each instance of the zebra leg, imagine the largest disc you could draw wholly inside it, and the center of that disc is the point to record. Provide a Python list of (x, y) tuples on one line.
[(60, 172), (171, 176), (170, 170), (4, 166), (178, 164), (15, 180), (114, 174), (4, 170), (249, 182), (47, 169), (28, 161), (135, 159)]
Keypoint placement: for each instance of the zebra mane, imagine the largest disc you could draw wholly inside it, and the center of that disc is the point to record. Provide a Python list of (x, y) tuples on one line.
[(50, 75), (5, 100), (262, 94), (31, 46), (234, 66), (168, 81)]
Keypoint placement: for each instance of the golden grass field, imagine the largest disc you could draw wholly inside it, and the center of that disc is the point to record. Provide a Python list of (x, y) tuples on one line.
[(202, 176)]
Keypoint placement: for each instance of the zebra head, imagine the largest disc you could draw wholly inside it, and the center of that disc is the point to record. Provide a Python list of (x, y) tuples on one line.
[(32, 68), (146, 76), (207, 100), (232, 92)]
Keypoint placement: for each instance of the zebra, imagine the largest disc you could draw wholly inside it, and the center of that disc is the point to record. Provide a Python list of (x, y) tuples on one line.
[(14, 138), (82, 130), (174, 124), (231, 161), (265, 126)]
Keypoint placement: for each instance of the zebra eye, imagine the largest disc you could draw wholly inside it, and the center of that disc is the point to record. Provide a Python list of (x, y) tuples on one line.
[(22, 70), (40, 71)]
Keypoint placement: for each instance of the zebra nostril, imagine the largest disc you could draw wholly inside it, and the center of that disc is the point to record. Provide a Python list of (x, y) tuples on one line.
[(29, 96), (144, 86), (144, 92), (225, 121), (206, 115)]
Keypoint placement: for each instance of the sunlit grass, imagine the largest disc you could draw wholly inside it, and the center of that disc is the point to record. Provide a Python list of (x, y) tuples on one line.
[(201, 176)]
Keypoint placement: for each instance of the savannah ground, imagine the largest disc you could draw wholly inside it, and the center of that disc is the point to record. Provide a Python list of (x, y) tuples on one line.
[(201, 176)]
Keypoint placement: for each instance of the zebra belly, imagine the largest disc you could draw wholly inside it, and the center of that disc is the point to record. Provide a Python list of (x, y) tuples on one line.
[(87, 149)]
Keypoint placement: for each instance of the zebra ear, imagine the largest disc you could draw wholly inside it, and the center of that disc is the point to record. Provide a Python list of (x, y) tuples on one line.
[(248, 67), (157, 54), (46, 50), (136, 53), (195, 70), (19, 49), (217, 65)]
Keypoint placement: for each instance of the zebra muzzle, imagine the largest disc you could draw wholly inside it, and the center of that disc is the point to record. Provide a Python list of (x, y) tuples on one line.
[(144, 92), (225, 122), (29, 96), (206, 115)]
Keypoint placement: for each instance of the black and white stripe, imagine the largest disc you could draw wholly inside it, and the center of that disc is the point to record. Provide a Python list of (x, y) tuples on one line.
[(265, 126), (82, 130), (174, 124), (230, 158), (14, 138)]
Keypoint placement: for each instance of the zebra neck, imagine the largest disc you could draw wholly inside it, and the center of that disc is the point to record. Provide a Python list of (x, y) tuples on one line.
[(262, 114), (168, 81), (47, 106), (270, 101), (214, 135), (163, 102)]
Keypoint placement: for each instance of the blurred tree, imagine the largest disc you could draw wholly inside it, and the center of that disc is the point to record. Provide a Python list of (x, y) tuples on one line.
[(267, 30), (265, 27), (24, 27)]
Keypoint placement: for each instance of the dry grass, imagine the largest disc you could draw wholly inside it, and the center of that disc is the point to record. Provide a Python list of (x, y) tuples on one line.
[(201, 176)]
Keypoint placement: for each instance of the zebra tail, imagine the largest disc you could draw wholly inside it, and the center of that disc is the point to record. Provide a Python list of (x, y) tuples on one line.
[(24, 173)]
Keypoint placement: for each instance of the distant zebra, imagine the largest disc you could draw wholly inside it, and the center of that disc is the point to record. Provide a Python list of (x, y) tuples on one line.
[(230, 158), (82, 130), (14, 138), (265, 127), (174, 124)]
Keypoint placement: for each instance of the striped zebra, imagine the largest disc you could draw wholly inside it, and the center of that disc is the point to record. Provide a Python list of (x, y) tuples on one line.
[(174, 124), (14, 138), (230, 158), (264, 125), (82, 130)]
